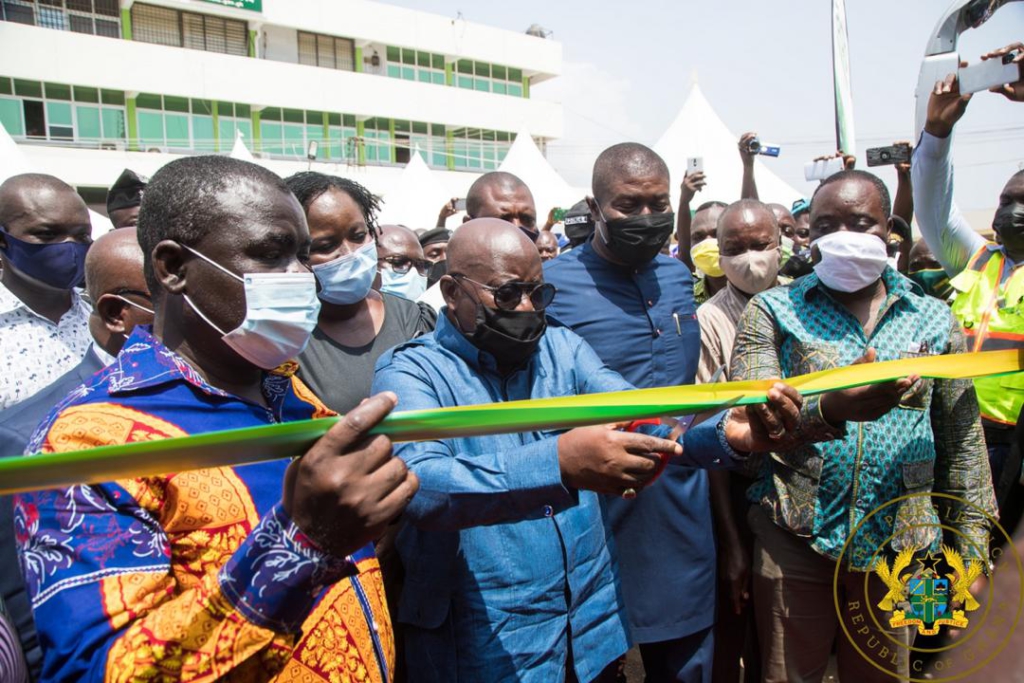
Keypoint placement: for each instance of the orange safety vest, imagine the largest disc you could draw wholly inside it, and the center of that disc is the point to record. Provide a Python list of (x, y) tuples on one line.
[(990, 307)]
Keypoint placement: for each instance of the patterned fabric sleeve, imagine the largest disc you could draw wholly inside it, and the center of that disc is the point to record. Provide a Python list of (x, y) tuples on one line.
[(756, 356), (961, 460), (108, 603)]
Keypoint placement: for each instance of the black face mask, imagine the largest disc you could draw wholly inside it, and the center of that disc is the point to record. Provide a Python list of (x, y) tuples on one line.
[(436, 272), (1009, 223), (798, 265), (638, 239), (510, 336)]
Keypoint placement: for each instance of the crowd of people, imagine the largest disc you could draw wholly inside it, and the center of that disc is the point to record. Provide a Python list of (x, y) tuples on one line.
[(228, 297)]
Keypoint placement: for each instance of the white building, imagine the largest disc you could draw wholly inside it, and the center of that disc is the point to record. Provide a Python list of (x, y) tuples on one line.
[(89, 87)]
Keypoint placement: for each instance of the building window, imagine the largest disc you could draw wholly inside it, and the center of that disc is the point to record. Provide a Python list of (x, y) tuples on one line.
[(62, 113), (169, 123), (288, 132), (162, 26), (94, 17), (411, 65), (326, 51), (475, 150), (489, 78)]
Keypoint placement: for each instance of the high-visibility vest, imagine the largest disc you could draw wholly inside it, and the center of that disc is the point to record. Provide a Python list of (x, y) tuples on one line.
[(990, 307)]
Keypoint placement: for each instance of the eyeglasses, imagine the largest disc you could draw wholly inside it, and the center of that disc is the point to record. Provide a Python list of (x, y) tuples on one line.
[(402, 264), (509, 295)]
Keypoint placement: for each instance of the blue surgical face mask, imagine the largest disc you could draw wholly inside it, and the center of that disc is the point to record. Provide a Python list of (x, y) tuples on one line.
[(281, 311), (60, 265), (409, 286), (348, 279)]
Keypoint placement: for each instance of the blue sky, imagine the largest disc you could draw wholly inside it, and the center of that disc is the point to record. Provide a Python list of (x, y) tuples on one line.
[(764, 66)]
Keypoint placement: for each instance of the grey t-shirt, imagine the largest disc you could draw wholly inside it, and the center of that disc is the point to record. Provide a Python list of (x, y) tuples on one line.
[(341, 375)]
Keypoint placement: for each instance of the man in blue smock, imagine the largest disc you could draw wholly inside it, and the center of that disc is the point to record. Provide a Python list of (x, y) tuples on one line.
[(635, 308), (510, 575)]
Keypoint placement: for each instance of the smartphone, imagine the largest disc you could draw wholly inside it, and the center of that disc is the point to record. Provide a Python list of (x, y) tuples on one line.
[(695, 165), (989, 74), (819, 170), (460, 204), (559, 215), (887, 156)]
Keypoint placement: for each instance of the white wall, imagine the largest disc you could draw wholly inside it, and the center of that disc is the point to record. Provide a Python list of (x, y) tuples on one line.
[(280, 44), (64, 57)]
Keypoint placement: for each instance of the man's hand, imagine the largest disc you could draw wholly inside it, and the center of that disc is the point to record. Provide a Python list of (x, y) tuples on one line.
[(744, 146), (606, 460), (767, 426), (904, 169), (1012, 91), (550, 223), (348, 487), (865, 404), (735, 573), (447, 211), (692, 184), (946, 106)]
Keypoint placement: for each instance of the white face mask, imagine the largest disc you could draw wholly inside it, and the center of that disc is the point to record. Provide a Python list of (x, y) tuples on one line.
[(409, 286), (752, 272), (281, 311), (850, 261), (348, 279)]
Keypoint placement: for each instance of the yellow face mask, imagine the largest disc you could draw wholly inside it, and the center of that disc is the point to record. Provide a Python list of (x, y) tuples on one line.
[(705, 257)]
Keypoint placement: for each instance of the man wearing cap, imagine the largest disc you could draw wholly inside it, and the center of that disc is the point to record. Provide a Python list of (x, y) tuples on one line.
[(44, 323), (579, 224), (435, 244), (124, 199)]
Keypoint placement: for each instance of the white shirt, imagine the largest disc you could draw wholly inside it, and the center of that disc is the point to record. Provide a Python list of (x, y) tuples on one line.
[(33, 350), (433, 297)]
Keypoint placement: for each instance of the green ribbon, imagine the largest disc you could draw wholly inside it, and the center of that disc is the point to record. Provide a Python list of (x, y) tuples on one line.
[(269, 442)]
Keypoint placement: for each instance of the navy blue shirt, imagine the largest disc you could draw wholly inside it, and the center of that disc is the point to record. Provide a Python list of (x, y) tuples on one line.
[(643, 324)]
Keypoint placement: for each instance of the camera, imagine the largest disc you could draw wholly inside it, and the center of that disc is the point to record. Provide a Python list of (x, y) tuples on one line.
[(885, 156), (754, 146)]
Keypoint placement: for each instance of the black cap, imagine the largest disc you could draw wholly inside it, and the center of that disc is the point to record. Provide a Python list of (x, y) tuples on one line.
[(579, 223), (126, 192), (434, 236)]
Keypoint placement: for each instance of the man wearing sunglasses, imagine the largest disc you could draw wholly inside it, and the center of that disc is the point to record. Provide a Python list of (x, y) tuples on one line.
[(401, 266), (121, 300), (635, 308), (510, 573)]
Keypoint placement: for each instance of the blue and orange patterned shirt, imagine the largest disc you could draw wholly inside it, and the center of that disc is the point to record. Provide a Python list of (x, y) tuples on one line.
[(192, 576)]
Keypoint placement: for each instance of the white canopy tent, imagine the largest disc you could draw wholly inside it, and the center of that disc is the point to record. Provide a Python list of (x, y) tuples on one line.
[(697, 131), (549, 189), (239, 150), (13, 162), (415, 197)]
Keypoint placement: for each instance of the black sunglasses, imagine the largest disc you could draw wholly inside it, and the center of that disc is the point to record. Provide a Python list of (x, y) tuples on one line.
[(508, 295), (402, 264)]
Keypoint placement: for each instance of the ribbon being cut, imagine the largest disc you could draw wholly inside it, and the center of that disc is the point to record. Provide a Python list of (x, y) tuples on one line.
[(255, 444)]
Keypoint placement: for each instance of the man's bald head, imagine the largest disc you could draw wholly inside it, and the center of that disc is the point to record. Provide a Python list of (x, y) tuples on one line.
[(18, 194), (484, 247), (503, 195), (624, 160), (747, 225), (117, 286), (398, 240), (114, 262)]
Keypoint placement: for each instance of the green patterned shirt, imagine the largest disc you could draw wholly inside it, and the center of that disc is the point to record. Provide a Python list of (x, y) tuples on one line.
[(832, 478)]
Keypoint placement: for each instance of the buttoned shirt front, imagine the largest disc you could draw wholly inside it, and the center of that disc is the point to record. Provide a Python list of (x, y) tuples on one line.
[(503, 563), (34, 351), (642, 323), (932, 440)]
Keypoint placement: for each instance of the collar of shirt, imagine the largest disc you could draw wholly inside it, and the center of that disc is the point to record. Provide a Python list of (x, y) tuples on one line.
[(10, 302), (144, 362), (593, 259)]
